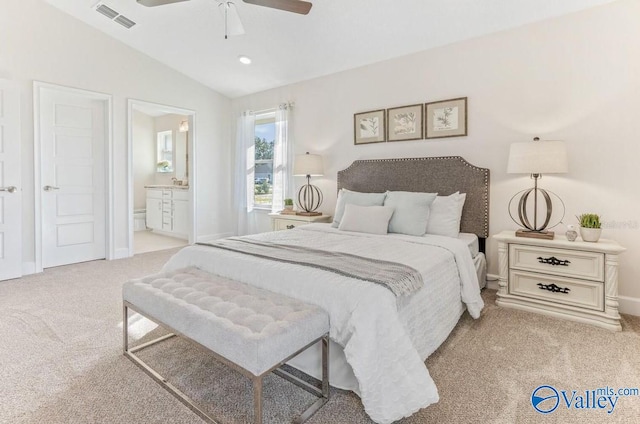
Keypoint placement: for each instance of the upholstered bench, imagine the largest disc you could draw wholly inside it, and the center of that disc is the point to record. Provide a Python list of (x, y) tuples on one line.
[(252, 330)]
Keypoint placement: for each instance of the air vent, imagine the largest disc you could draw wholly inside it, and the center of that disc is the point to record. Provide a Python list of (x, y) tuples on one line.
[(124, 21), (105, 10)]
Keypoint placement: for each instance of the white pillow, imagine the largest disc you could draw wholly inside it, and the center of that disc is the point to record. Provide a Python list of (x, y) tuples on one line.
[(356, 198), (411, 211), (366, 219), (445, 216)]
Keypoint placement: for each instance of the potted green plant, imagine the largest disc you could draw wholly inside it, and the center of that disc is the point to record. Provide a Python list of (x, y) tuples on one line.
[(288, 204), (590, 227)]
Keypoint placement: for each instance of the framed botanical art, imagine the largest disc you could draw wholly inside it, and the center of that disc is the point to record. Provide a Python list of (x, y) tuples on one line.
[(446, 118), (405, 123), (369, 127)]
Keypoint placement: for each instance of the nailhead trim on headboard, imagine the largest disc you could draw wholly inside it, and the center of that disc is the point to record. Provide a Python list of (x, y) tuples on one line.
[(443, 174)]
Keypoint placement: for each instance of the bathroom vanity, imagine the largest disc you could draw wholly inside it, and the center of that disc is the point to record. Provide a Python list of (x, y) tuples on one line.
[(168, 210)]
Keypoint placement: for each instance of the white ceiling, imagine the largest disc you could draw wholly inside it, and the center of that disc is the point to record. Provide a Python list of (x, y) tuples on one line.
[(286, 47)]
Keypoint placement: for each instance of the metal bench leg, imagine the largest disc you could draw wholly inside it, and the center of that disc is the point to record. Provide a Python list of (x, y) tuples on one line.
[(125, 328), (325, 367), (324, 394), (257, 399)]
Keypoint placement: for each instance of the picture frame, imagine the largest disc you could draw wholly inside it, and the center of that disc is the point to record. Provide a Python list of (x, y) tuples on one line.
[(369, 127), (446, 118), (405, 123)]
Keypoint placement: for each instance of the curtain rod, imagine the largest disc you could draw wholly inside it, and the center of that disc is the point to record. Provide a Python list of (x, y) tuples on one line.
[(285, 105)]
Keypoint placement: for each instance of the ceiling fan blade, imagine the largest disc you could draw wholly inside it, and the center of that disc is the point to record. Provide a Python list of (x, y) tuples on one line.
[(233, 22), (295, 6), (152, 3)]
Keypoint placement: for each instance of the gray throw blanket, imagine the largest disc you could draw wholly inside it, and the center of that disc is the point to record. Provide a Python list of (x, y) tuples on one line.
[(398, 278)]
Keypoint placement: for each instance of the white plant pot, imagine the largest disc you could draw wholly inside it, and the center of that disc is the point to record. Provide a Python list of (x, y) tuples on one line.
[(590, 234)]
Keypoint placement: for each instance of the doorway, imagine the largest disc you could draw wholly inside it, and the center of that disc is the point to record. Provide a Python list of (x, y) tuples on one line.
[(161, 178), (73, 204)]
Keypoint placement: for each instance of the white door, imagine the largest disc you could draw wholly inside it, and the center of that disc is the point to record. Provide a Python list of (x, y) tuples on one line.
[(72, 143), (10, 192)]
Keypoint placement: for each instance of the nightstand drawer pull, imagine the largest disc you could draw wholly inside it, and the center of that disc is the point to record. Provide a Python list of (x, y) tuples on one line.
[(553, 288), (554, 261), (290, 227)]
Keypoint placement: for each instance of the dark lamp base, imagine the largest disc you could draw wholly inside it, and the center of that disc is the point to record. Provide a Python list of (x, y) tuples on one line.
[(545, 235), (309, 213)]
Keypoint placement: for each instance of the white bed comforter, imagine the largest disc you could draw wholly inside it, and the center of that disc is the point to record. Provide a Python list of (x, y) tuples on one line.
[(393, 380)]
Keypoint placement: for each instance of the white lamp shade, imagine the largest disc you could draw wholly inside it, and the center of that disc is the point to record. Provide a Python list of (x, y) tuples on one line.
[(308, 165), (538, 157)]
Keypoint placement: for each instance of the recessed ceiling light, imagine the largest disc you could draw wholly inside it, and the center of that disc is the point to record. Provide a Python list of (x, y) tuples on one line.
[(244, 59)]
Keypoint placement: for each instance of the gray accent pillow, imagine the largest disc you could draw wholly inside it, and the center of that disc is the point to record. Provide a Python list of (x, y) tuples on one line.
[(355, 198), (366, 219), (411, 211)]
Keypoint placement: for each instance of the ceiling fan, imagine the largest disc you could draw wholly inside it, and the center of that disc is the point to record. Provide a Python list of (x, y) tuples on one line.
[(232, 23), (295, 6)]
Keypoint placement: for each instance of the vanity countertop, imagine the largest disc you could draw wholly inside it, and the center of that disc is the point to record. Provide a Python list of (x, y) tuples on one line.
[(168, 186)]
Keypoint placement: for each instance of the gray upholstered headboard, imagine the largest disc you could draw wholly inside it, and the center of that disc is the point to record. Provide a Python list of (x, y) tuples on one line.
[(444, 175)]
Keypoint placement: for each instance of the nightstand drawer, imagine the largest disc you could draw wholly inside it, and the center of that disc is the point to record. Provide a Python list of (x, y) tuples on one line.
[(566, 291), (287, 224), (290, 221), (562, 262)]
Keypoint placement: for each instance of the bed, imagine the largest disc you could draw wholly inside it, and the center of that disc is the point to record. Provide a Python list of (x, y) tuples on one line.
[(379, 340)]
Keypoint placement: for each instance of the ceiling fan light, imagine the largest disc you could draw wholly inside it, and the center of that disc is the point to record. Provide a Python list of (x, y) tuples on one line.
[(245, 60)]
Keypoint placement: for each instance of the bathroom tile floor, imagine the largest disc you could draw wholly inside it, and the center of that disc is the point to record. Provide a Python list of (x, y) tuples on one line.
[(148, 241)]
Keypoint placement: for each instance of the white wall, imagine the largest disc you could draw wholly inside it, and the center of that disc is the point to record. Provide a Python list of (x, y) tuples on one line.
[(574, 78), (144, 156), (39, 42)]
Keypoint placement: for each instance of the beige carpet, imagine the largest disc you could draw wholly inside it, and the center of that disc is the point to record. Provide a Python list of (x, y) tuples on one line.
[(61, 362)]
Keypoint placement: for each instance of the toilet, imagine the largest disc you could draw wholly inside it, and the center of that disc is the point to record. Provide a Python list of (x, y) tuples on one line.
[(139, 220)]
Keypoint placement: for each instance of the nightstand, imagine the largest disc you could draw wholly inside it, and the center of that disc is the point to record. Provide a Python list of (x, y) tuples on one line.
[(571, 280), (287, 222)]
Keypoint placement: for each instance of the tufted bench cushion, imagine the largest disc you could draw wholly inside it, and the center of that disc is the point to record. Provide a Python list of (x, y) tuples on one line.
[(254, 328)]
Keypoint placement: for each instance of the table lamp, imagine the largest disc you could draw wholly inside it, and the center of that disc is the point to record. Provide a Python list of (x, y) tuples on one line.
[(536, 158), (309, 196)]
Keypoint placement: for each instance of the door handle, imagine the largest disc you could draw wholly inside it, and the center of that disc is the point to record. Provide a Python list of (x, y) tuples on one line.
[(50, 188), (10, 189)]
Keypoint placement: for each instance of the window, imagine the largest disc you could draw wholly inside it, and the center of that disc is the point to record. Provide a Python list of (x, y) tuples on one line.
[(265, 135), (263, 160), (165, 151)]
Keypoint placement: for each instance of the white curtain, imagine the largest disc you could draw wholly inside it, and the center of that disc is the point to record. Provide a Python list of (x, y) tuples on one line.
[(245, 174), (282, 158)]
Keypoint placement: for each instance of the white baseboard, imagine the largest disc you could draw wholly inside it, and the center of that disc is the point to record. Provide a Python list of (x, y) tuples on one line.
[(28, 268), (121, 253), (629, 305), (211, 237), (626, 305)]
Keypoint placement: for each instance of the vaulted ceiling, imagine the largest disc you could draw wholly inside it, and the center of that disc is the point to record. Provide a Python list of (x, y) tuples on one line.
[(285, 47)]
